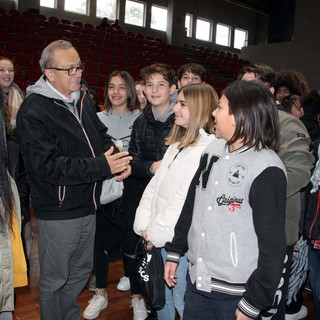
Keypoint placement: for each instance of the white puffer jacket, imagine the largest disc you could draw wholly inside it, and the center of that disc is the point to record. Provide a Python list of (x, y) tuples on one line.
[(163, 199)]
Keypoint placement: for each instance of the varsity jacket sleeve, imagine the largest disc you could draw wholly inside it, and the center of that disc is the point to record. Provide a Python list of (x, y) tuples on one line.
[(267, 197), (179, 244), (43, 156)]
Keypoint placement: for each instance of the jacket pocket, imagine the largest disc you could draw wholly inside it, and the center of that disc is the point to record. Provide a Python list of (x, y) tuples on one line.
[(61, 194), (233, 249)]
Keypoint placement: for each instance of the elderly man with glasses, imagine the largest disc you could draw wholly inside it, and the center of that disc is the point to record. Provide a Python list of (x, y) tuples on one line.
[(68, 153)]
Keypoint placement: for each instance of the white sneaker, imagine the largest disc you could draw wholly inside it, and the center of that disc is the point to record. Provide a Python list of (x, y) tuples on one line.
[(96, 305), (139, 309), (303, 312), (124, 284)]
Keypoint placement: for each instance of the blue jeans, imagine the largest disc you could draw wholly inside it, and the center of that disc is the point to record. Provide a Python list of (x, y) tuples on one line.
[(175, 296), (202, 305), (314, 265), (7, 315)]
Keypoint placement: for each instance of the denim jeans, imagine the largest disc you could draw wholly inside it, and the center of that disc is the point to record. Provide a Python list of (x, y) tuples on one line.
[(314, 265), (175, 296), (7, 315), (202, 305)]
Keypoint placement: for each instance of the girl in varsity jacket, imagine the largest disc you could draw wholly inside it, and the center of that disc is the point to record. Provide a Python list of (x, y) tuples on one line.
[(232, 225)]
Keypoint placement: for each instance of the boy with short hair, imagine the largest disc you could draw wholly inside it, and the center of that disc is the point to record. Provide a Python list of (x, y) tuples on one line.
[(159, 86), (147, 147), (191, 73)]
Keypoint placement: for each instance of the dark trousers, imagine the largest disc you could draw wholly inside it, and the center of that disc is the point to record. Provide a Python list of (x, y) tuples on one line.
[(65, 259), (201, 305), (314, 263), (298, 277), (107, 240)]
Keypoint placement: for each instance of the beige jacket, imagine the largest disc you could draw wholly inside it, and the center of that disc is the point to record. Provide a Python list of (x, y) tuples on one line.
[(298, 161)]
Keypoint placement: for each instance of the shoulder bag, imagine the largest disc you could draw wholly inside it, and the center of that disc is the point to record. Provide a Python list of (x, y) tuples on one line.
[(111, 190)]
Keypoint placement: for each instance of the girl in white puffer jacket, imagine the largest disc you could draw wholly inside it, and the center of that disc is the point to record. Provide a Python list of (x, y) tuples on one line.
[(162, 201)]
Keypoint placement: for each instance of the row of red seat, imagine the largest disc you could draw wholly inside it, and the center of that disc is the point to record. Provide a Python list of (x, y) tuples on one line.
[(102, 50)]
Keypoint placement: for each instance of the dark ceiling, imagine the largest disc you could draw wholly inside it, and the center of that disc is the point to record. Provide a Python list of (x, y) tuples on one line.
[(265, 7)]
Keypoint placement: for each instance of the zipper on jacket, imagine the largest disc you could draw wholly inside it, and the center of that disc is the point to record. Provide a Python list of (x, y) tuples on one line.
[(85, 134)]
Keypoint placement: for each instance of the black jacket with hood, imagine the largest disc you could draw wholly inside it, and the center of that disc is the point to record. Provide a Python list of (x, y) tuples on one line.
[(63, 153)]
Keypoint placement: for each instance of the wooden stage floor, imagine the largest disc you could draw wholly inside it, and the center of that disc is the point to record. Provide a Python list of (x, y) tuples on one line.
[(27, 298)]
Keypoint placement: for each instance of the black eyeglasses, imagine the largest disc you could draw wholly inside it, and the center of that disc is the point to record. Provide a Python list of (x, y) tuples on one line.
[(71, 71)]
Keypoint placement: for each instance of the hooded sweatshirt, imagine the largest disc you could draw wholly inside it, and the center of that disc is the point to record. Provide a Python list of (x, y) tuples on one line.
[(63, 142)]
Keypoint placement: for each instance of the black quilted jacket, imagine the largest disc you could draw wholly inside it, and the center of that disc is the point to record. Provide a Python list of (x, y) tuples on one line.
[(147, 145)]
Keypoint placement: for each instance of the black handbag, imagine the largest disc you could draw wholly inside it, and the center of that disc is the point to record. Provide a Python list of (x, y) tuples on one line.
[(151, 271)]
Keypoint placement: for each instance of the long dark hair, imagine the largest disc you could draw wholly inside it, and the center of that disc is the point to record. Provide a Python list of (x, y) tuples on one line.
[(5, 186), (255, 112), (133, 102)]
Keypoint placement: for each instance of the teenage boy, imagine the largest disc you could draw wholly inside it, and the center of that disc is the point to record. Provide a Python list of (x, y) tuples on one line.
[(147, 148), (191, 73)]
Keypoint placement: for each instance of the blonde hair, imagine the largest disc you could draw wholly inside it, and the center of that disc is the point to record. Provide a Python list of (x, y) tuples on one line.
[(201, 100)]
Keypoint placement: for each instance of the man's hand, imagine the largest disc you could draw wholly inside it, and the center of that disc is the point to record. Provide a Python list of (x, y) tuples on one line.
[(170, 273), (118, 162)]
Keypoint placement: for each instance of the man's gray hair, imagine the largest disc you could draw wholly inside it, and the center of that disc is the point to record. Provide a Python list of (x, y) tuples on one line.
[(49, 50)]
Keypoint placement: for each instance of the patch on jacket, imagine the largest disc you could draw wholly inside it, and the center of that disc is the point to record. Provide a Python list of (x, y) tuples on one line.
[(232, 202), (206, 169), (236, 174)]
